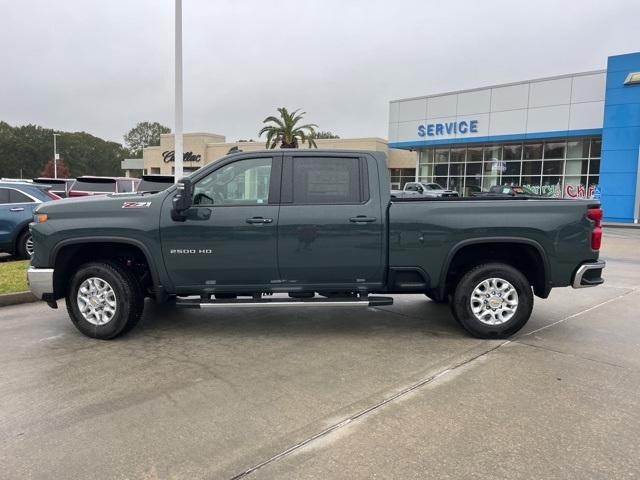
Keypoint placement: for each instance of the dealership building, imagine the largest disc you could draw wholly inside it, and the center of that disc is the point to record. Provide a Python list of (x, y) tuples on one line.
[(203, 148), (575, 135)]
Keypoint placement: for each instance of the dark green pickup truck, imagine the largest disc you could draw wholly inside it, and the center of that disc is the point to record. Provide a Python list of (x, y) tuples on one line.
[(315, 228)]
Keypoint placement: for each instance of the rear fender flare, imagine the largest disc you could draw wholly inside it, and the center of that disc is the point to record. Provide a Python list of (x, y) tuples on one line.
[(482, 240)]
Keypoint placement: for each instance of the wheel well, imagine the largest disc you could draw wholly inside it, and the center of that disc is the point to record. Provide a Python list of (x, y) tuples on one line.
[(526, 258), (70, 257)]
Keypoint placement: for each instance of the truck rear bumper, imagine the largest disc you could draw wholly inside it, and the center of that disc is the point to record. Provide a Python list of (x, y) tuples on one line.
[(589, 275), (40, 281)]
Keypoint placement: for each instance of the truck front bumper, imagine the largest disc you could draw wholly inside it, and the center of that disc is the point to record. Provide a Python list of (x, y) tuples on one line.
[(40, 281), (589, 275)]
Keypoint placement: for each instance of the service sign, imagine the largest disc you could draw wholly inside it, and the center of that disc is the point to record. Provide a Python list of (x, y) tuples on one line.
[(461, 127)]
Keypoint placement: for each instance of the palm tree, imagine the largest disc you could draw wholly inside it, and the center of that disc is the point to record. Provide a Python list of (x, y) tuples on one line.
[(286, 132)]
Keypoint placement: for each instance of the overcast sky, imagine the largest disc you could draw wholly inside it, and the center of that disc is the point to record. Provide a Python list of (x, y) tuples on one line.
[(103, 66)]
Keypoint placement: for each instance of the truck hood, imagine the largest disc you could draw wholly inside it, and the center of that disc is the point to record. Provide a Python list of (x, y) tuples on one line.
[(101, 203)]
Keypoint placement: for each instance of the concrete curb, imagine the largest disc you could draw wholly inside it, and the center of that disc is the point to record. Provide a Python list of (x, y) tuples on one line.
[(620, 225), (7, 299)]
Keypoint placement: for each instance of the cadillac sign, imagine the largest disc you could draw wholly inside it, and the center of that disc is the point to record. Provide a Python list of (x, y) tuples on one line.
[(169, 156)]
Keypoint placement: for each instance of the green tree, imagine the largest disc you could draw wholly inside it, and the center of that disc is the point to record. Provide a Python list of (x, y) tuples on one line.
[(285, 130), (322, 134), (143, 135), (28, 148)]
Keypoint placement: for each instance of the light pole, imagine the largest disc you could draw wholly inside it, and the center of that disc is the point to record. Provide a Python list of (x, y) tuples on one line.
[(178, 155), (55, 156)]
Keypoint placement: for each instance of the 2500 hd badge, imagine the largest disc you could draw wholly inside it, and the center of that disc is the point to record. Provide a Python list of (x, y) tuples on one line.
[(190, 251)]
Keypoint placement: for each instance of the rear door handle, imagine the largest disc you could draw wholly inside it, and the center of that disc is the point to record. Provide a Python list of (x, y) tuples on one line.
[(16, 209), (259, 220), (362, 219)]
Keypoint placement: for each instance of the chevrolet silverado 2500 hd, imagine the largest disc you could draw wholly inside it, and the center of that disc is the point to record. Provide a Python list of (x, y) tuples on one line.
[(319, 228)]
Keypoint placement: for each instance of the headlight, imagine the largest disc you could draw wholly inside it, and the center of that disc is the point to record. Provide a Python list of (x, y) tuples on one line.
[(40, 218)]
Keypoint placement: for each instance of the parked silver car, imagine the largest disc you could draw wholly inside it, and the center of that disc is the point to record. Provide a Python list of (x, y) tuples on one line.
[(422, 189)]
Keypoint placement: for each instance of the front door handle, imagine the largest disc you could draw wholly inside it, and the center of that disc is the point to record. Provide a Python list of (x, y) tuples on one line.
[(362, 219), (16, 209), (259, 220)]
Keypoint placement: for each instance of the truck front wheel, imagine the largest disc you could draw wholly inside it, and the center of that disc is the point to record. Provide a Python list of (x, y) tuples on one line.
[(104, 300), (493, 300)]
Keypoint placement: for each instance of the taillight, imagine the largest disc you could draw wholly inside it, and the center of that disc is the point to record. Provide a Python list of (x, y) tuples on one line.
[(53, 196), (595, 215)]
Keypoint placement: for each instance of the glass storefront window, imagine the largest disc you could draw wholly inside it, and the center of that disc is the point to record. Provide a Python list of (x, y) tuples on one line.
[(458, 154), (512, 152), (551, 186), (474, 154), (425, 170), (532, 151), (474, 168), (506, 180), (512, 168), (540, 165), (455, 183), (442, 181), (441, 169), (578, 149), (531, 182), (426, 156), (552, 167), (554, 149), (442, 155), (400, 176), (532, 168), (576, 167), (456, 169), (492, 152)]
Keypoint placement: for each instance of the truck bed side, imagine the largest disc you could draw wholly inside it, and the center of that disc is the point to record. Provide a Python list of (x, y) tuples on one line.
[(429, 234)]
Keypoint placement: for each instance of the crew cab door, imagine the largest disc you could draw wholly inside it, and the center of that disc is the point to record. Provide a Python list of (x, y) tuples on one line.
[(331, 224), (229, 236)]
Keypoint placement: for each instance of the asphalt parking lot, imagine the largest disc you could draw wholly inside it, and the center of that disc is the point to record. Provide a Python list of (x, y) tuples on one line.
[(391, 392)]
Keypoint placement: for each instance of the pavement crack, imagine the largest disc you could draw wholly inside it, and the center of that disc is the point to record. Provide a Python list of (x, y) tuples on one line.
[(560, 352), (348, 420), (581, 312)]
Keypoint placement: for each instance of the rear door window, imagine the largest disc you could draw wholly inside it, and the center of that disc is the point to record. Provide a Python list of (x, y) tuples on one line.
[(18, 197), (328, 180), (4, 196)]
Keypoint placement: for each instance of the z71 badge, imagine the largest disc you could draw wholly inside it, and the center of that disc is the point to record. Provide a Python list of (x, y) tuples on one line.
[(136, 204)]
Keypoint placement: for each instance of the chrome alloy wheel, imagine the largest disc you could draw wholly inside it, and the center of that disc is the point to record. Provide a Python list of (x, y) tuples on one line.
[(96, 301), (494, 301), (28, 246)]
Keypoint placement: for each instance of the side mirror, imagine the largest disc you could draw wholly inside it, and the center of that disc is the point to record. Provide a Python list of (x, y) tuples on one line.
[(183, 199)]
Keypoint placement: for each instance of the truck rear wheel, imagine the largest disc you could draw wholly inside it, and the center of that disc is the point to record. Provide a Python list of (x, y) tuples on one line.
[(493, 300), (104, 300)]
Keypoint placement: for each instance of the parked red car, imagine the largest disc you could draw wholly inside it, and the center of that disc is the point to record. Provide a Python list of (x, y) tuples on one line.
[(89, 185), (59, 186)]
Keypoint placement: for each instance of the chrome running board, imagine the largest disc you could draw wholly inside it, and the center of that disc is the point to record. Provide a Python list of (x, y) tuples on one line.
[(287, 302)]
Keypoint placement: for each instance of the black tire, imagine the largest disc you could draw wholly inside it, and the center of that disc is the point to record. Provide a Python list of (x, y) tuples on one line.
[(128, 293), (21, 245), (432, 297), (461, 304)]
